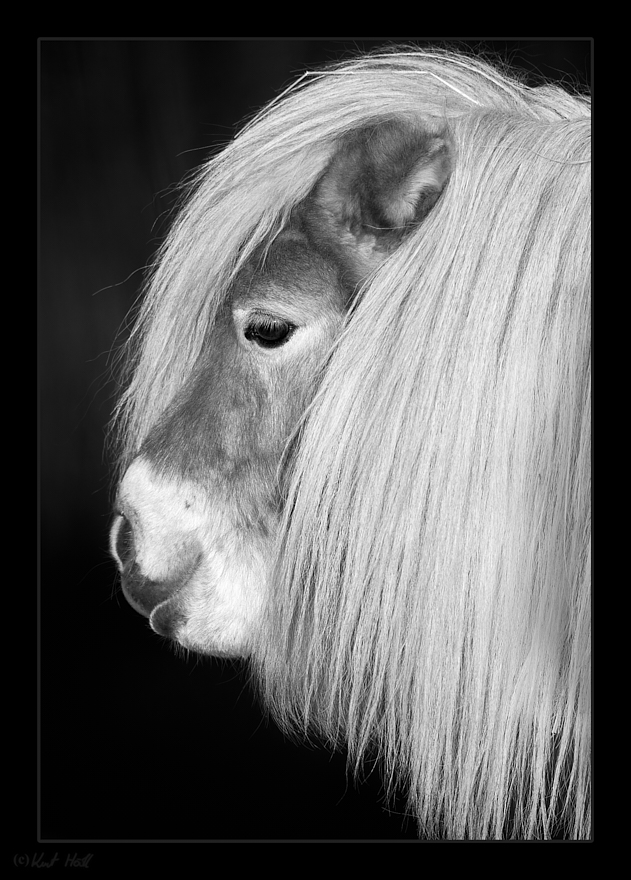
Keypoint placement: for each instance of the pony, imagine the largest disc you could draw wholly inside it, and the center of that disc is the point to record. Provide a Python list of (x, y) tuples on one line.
[(354, 441)]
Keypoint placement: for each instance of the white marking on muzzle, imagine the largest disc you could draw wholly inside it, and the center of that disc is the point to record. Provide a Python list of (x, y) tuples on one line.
[(180, 531)]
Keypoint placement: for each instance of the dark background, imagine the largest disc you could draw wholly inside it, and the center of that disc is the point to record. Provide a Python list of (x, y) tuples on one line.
[(135, 743)]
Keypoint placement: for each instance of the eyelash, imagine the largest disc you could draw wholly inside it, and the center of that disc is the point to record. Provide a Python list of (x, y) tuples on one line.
[(269, 332)]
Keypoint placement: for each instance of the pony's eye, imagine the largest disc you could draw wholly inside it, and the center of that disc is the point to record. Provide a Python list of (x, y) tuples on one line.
[(269, 333)]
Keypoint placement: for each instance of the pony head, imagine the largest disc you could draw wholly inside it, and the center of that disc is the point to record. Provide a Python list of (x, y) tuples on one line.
[(355, 439)]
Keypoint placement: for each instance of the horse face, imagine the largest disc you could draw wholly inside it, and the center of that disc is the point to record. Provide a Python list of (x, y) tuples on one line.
[(198, 508), (199, 505)]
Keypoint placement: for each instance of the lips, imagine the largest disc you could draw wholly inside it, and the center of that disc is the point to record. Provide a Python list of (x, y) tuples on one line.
[(168, 617)]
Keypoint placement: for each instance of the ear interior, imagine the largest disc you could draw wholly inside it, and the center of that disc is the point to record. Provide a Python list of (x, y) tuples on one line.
[(382, 182)]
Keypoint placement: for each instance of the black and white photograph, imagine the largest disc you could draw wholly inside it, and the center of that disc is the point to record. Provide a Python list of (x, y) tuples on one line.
[(314, 445)]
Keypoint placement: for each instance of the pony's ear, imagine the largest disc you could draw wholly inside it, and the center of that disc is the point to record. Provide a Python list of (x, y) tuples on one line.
[(382, 182)]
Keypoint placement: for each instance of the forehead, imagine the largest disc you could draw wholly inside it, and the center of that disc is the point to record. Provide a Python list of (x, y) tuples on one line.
[(290, 276)]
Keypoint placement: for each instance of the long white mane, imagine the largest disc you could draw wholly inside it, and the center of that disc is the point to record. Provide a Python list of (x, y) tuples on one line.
[(431, 598)]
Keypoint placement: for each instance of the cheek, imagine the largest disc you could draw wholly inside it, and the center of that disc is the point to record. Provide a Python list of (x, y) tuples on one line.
[(250, 403), (290, 392)]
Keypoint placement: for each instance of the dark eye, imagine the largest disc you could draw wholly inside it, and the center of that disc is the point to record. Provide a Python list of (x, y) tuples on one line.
[(269, 333)]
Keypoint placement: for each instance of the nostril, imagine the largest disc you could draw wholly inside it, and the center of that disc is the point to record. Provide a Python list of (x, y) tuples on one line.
[(122, 541), (125, 541)]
